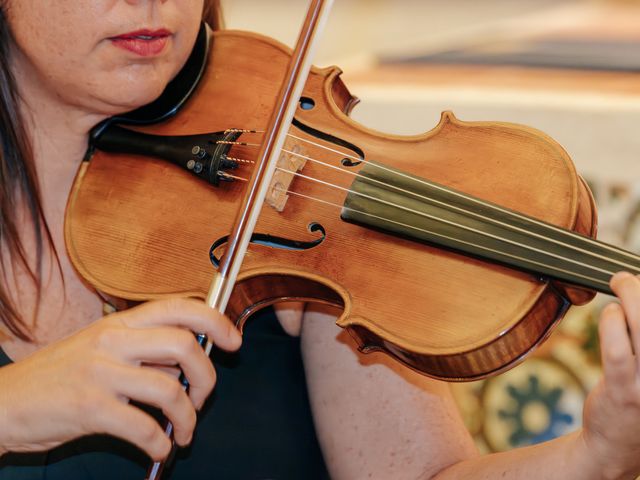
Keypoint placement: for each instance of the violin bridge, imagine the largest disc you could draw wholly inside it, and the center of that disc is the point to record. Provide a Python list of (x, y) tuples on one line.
[(291, 161)]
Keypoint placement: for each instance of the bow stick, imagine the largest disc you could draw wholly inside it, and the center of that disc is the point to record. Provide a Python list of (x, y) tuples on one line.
[(249, 211)]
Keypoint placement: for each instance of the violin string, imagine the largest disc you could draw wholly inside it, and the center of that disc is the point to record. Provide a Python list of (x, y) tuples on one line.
[(470, 212), (456, 225), (446, 237), (242, 144), (463, 196), (472, 199), (239, 160), (228, 176), (242, 130), (462, 210)]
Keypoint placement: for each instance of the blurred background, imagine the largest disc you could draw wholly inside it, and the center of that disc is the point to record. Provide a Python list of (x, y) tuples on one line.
[(568, 68)]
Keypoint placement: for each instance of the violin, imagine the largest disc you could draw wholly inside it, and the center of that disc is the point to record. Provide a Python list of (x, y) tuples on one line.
[(455, 251)]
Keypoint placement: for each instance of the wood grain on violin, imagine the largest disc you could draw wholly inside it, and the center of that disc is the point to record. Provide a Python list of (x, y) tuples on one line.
[(148, 233)]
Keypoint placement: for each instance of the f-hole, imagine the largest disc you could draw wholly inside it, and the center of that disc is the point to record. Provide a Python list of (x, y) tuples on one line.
[(273, 241)]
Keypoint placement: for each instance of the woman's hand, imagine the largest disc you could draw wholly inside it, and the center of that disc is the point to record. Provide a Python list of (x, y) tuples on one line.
[(82, 384), (612, 412)]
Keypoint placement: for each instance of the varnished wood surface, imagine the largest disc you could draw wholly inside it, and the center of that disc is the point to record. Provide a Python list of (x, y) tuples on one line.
[(147, 235)]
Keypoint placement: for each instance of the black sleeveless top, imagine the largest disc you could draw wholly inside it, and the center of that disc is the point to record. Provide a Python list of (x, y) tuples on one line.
[(256, 425)]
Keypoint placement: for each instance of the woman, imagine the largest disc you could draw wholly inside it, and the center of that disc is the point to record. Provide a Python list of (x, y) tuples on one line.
[(65, 66)]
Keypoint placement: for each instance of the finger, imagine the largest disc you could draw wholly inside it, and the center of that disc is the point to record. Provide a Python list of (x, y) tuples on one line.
[(154, 388), (188, 313), (617, 356), (173, 372), (627, 289), (133, 425), (167, 346)]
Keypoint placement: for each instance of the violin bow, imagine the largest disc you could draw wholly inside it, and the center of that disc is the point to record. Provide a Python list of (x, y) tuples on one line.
[(249, 211)]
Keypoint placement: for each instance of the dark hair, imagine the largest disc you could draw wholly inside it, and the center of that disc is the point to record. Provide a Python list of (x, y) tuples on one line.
[(213, 14), (18, 187), (19, 182)]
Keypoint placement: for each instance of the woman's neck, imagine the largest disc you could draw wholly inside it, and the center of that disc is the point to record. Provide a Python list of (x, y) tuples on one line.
[(58, 135), (57, 129)]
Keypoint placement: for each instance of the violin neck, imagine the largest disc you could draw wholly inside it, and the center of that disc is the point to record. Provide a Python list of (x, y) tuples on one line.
[(412, 207)]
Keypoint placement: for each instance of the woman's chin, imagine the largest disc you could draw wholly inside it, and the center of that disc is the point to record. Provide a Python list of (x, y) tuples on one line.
[(135, 97), (122, 84)]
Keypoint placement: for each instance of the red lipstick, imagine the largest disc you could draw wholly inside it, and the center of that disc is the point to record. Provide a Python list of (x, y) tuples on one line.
[(145, 42)]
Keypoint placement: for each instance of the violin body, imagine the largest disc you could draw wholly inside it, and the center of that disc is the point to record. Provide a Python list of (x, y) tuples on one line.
[(139, 228)]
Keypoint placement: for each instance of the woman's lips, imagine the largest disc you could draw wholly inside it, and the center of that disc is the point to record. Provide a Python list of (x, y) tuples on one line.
[(145, 43)]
